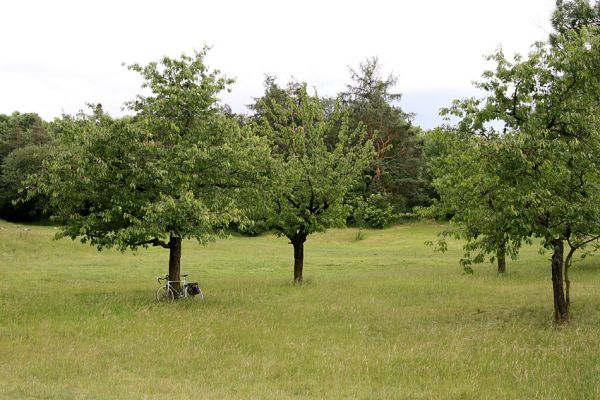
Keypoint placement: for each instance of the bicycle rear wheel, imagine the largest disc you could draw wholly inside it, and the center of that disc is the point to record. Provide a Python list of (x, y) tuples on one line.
[(193, 290), (164, 294), (199, 294)]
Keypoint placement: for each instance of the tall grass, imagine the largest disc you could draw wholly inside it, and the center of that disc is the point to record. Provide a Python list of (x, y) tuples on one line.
[(383, 317)]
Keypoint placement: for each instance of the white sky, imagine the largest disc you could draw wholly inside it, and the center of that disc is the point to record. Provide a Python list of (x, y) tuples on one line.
[(57, 55)]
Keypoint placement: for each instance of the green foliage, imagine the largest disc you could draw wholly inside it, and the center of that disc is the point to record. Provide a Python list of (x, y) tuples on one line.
[(435, 147), (16, 167), (397, 172), (472, 194), (530, 153), (573, 15), (178, 168), (316, 160), (22, 147), (20, 130), (374, 212)]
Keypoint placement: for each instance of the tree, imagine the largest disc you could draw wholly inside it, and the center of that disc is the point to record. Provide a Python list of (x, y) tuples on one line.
[(315, 160), (472, 194), (544, 109), (175, 170), (397, 172)]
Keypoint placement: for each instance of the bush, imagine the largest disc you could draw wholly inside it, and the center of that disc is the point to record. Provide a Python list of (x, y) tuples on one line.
[(374, 212)]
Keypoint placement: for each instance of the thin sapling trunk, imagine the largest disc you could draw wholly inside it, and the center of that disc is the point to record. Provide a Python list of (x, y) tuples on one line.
[(561, 309)]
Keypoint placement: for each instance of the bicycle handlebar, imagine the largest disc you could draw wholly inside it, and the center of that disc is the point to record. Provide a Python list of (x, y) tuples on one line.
[(166, 277)]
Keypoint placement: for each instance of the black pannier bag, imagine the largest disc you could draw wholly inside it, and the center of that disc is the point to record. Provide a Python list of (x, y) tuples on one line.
[(193, 288)]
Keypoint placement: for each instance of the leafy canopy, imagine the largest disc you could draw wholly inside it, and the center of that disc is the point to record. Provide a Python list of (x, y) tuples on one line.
[(531, 148), (177, 168), (316, 160)]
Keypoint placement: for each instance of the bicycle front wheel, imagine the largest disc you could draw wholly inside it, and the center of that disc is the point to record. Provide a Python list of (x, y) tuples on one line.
[(164, 294)]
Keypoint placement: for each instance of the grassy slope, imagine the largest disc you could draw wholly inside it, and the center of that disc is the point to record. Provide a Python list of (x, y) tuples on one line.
[(379, 318)]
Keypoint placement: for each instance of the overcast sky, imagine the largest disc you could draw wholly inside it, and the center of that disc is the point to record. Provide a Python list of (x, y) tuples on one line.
[(56, 56)]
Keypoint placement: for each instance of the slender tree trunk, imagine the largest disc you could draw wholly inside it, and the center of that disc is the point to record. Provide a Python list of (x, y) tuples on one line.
[(568, 262), (567, 289), (175, 262), (561, 309), (501, 258), (298, 260)]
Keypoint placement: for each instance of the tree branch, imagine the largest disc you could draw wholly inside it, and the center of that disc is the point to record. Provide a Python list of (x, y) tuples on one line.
[(292, 202), (153, 242)]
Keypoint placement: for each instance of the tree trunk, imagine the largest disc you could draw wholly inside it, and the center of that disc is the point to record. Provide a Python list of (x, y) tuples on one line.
[(175, 262), (561, 309), (298, 244), (568, 262), (501, 258)]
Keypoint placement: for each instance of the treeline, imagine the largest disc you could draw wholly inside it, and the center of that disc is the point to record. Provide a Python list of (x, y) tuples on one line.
[(395, 181)]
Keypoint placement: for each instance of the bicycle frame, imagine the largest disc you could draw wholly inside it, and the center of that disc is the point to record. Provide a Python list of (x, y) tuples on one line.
[(169, 283), (167, 286)]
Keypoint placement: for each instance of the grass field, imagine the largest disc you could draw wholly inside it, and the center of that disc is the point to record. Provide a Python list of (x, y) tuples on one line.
[(379, 318)]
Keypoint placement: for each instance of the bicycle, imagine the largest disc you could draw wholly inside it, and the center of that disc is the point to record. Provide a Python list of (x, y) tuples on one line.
[(167, 293)]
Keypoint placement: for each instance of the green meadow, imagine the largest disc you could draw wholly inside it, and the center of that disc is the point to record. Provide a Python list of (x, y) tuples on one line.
[(384, 317)]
